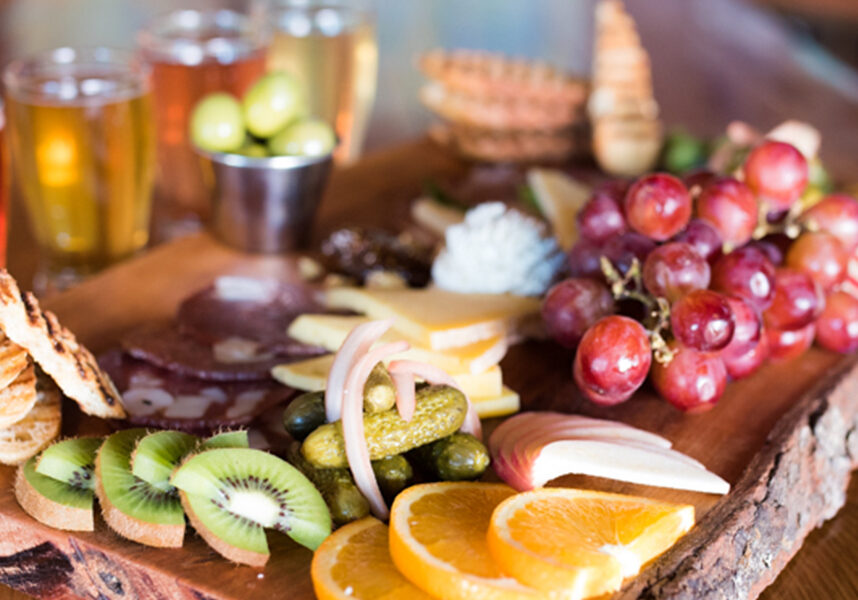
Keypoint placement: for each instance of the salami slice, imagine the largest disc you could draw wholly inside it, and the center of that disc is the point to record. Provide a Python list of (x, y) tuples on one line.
[(234, 359), (250, 309), (155, 397)]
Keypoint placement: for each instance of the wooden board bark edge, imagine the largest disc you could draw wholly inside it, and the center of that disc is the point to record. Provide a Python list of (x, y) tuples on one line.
[(795, 483)]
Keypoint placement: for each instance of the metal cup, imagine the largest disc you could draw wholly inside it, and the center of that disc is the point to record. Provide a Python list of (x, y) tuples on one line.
[(264, 204)]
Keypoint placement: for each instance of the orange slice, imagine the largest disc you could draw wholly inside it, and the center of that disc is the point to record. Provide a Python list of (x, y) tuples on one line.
[(578, 543), (354, 563), (438, 541)]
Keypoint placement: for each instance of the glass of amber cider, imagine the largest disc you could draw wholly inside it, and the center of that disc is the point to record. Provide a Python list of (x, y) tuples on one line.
[(193, 53), (79, 128)]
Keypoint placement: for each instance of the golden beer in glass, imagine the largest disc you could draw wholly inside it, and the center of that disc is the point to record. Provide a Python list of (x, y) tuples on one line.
[(331, 46), (80, 133)]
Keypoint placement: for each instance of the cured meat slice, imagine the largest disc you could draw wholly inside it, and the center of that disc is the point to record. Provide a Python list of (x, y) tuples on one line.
[(232, 359), (256, 310), (155, 397)]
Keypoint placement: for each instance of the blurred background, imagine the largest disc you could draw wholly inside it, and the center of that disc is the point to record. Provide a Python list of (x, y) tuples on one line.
[(819, 37)]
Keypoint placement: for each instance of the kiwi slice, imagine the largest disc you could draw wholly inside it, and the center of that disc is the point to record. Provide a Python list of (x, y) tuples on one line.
[(52, 502), (231, 494), (71, 461), (158, 454), (133, 508)]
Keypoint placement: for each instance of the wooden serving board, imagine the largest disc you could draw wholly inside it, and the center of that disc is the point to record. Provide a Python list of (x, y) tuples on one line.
[(785, 438)]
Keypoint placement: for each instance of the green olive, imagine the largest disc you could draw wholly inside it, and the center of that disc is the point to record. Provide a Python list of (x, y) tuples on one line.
[(253, 150), (307, 137), (217, 124), (272, 102), (304, 414)]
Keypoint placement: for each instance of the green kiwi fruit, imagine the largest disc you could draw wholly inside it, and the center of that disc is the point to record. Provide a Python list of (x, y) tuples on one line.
[(70, 461), (232, 494), (158, 454), (133, 508), (52, 502)]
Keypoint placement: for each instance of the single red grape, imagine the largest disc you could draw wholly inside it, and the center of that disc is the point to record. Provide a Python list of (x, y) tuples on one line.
[(837, 326), (748, 273), (771, 249), (673, 270), (692, 381), (742, 365), (702, 320), (748, 327), (730, 207), (777, 173), (699, 179), (572, 306), (703, 238), (612, 360), (601, 218), (583, 259), (820, 255), (785, 344), (836, 214), (623, 249), (658, 206), (798, 300)]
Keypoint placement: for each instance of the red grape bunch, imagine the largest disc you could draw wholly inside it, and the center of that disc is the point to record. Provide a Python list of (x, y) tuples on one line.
[(700, 281)]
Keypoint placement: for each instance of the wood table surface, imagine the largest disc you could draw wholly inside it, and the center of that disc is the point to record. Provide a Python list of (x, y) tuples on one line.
[(732, 64)]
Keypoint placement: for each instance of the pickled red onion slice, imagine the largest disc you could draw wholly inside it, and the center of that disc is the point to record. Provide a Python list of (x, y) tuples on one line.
[(406, 399), (357, 452), (357, 344), (434, 375)]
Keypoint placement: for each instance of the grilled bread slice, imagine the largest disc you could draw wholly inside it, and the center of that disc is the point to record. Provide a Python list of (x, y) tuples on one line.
[(17, 398), (37, 430), (55, 349)]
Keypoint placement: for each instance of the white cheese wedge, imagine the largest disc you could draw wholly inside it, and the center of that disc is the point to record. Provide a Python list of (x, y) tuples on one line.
[(311, 375), (438, 319), (505, 403), (329, 332)]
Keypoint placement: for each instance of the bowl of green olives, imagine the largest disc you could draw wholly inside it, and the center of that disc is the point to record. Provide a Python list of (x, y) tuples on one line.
[(266, 163)]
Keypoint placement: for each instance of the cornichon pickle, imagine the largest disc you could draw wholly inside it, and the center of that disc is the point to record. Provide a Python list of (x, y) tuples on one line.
[(378, 392), (439, 412), (304, 414), (456, 457), (337, 487), (394, 474)]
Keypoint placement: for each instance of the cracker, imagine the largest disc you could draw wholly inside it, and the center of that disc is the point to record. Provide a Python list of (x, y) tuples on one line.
[(13, 360), (56, 351), (18, 397), (37, 430)]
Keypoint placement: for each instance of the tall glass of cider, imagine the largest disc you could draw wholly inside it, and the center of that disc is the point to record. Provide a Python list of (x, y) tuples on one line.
[(193, 53), (331, 46), (4, 186), (80, 132)]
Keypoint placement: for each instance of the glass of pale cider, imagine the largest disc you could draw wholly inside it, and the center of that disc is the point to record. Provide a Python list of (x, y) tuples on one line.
[(80, 132), (331, 46), (193, 53)]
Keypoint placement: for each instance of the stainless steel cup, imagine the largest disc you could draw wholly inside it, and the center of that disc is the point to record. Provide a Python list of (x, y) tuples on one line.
[(264, 204)]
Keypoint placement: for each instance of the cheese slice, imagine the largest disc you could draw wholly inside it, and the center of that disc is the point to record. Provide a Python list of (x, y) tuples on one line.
[(505, 403), (329, 332), (560, 198), (438, 319), (311, 376)]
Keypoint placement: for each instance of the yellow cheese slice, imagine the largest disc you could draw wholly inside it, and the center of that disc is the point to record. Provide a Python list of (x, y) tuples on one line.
[(329, 332), (438, 319), (505, 403), (560, 198), (310, 375)]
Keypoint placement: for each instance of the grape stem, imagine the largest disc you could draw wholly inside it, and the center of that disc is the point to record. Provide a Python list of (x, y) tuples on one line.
[(789, 225), (630, 287)]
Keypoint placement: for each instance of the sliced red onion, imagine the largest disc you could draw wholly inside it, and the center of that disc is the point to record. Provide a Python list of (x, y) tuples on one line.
[(406, 400), (357, 343), (437, 376), (357, 452)]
